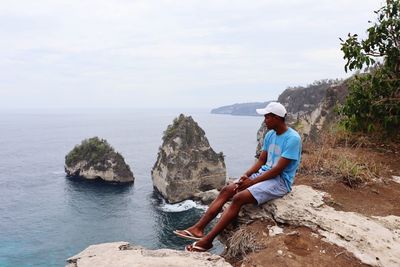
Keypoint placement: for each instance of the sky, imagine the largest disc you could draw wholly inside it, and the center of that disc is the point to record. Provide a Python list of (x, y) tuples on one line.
[(169, 53)]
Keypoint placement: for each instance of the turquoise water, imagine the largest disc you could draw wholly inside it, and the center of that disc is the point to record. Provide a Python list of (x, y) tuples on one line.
[(46, 217)]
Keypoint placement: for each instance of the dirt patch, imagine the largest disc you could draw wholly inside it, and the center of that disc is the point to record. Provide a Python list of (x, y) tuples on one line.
[(374, 199), (296, 246), (374, 192)]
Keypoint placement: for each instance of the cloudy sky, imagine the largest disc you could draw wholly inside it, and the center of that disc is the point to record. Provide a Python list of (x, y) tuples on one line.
[(169, 53)]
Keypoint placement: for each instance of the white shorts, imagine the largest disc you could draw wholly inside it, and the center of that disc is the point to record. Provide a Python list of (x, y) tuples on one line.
[(269, 189)]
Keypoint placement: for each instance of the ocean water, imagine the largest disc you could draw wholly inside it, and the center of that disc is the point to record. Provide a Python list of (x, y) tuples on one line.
[(46, 217)]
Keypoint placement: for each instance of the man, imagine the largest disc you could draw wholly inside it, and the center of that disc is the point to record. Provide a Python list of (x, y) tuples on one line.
[(269, 178)]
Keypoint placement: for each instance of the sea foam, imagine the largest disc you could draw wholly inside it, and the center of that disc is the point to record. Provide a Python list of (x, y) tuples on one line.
[(182, 206)]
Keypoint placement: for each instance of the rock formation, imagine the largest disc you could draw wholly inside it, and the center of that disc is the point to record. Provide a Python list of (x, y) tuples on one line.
[(373, 240), (312, 108), (186, 164), (120, 254), (303, 100), (94, 158), (260, 138), (206, 197)]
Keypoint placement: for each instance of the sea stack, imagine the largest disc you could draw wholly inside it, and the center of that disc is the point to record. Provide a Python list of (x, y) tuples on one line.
[(186, 164), (94, 158)]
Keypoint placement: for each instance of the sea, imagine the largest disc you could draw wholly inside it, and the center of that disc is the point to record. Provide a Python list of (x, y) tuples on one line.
[(46, 217)]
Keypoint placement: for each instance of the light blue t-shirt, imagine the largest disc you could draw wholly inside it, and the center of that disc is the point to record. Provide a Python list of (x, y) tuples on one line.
[(287, 145)]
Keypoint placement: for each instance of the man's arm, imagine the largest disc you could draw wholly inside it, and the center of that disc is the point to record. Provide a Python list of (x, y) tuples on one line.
[(261, 161), (273, 172)]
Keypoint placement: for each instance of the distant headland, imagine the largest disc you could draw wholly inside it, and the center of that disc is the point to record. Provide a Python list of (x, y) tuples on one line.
[(240, 109)]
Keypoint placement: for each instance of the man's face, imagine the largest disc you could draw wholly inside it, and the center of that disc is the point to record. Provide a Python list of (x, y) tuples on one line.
[(270, 120)]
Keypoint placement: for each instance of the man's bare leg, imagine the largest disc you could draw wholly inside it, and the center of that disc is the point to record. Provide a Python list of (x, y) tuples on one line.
[(240, 199), (215, 207)]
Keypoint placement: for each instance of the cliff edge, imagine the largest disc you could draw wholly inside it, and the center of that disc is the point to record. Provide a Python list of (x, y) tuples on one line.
[(119, 254)]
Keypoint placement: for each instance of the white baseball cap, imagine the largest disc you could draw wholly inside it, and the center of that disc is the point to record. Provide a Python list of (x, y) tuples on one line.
[(273, 107)]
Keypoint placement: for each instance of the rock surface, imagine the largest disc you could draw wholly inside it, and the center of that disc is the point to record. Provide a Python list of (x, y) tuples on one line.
[(312, 108), (373, 240), (186, 164), (396, 179), (207, 197), (260, 138), (94, 158), (119, 254), (302, 100)]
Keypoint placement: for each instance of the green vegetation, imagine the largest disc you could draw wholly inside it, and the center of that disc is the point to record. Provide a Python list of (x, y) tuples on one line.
[(93, 150), (186, 128), (373, 103), (170, 131), (323, 83)]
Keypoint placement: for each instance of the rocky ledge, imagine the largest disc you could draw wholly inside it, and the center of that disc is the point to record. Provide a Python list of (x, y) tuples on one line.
[(373, 240), (122, 254), (94, 158), (186, 164)]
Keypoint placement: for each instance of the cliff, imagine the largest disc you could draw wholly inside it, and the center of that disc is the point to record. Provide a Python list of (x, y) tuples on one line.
[(302, 100), (312, 108)]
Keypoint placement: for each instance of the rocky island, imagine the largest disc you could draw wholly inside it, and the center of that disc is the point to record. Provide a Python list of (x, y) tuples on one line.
[(186, 165), (94, 158)]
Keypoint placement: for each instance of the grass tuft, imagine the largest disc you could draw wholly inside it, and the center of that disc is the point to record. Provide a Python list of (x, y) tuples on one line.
[(241, 243), (338, 155)]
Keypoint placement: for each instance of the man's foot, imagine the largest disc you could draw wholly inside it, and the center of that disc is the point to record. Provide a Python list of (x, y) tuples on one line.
[(195, 247), (187, 234)]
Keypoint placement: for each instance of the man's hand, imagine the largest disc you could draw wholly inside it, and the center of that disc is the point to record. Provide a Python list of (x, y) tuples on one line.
[(243, 183), (243, 177)]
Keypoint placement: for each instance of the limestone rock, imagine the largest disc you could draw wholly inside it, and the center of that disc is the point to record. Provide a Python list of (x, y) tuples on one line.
[(94, 158), (119, 254), (373, 240), (207, 197), (301, 100), (260, 138), (186, 164), (311, 108)]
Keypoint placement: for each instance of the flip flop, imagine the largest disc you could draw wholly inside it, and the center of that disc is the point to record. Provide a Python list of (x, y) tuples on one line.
[(186, 234), (195, 248)]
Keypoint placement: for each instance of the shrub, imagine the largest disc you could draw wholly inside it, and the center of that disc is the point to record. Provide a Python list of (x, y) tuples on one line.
[(373, 103), (93, 150)]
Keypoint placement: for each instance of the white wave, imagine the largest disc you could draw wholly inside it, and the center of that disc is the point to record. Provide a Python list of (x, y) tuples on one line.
[(182, 206)]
